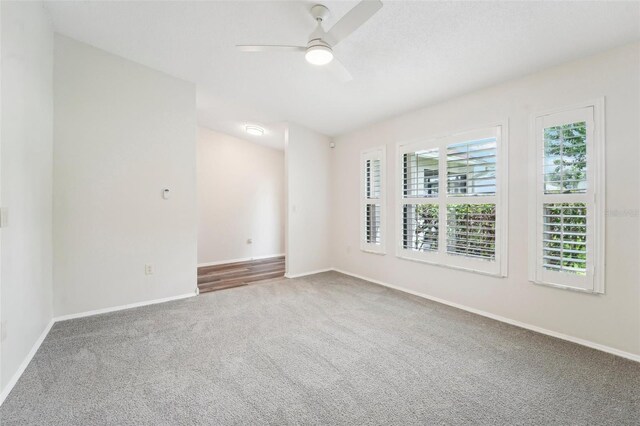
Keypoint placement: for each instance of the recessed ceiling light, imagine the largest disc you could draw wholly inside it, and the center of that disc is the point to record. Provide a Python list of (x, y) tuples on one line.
[(319, 54), (254, 130)]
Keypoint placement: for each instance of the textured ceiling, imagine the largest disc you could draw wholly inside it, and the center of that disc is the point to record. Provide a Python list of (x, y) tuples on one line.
[(410, 54)]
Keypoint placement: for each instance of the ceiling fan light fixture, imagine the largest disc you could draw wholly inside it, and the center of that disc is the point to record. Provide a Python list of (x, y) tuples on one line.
[(254, 130), (319, 54)]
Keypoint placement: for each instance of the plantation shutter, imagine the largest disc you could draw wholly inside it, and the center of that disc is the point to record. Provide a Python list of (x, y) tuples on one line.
[(450, 201), (421, 182), (471, 168), (566, 240), (372, 200), (471, 174)]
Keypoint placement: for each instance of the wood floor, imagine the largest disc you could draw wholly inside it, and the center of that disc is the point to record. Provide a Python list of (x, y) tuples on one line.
[(218, 277)]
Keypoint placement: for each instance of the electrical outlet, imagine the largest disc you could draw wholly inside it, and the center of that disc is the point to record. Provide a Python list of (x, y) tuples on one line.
[(148, 269)]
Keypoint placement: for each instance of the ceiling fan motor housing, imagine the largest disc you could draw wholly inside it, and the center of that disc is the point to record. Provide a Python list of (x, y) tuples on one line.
[(320, 12), (317, 42), (319, 52)]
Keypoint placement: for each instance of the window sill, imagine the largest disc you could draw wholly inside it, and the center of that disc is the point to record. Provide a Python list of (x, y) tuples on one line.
[(566, 287), (458, 268), (379, 253)]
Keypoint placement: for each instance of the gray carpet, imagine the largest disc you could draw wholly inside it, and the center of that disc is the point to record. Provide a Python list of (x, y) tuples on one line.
[(325, 349)]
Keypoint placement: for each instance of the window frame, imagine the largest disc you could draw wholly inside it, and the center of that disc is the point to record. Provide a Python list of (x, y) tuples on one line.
[(377, 153), (592, 113), (499, 266)]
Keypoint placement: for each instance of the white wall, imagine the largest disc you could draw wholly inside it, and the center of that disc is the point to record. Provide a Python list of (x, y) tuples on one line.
[(123, 132), (240, 196), (612, 319), (26, 173), (307, 159)]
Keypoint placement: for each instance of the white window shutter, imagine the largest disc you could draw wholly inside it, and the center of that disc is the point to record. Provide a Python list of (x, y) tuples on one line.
[(451, 203), (372, 200), (567, 241)]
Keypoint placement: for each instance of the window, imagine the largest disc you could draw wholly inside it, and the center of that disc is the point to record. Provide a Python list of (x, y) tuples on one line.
[(567, 217), (372, 201), (451, 201)]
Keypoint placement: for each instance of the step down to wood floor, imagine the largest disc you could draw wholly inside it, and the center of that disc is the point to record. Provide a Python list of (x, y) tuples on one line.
[(228, 275)]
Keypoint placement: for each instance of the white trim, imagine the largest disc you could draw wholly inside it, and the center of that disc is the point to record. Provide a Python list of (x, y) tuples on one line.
[(594, 282), (23, 366), (36, 346), (503, 195), (379, 253), (499, 266), (378, 153), (123, 307), (562, 336), (242, 259), (587, 343), (304, 274), (448, 266)]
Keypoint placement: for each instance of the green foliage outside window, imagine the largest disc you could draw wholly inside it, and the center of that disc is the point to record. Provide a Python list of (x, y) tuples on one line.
[(565, 172), (471, 230), (565, 154), (564, 238), (426, 231)]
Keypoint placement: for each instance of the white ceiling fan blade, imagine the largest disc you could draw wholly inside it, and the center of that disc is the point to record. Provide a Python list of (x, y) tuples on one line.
[(269, 48), (350, 22), (339, 71)]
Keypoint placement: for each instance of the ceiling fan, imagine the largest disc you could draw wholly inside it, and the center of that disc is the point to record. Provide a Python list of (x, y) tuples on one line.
[(319, 49)]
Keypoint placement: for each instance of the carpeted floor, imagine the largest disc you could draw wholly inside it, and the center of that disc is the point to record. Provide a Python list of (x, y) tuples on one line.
[(324, 349)]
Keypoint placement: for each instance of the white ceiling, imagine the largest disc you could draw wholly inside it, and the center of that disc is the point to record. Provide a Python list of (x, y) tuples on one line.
[(410, 54)]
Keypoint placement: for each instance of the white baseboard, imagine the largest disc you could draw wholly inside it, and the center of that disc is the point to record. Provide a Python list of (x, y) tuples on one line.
[(44, 334), (304, 274), (583, 342), (122, 307), (25, 363), (242, 259), (577, 340)]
